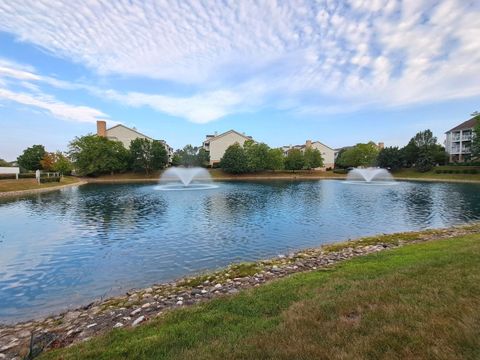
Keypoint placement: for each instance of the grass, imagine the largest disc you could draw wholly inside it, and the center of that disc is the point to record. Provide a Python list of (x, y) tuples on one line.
[(31, 184), (413, 174), (420, 301)]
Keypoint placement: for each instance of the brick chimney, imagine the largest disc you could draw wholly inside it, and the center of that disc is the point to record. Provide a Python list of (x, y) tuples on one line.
[(381, 145), (308, 144), (101, 128)]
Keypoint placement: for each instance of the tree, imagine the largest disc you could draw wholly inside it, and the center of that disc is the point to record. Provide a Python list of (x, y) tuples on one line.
[(62, 164), (148, 155), (425, 139), (425, 161), (257, 155), (313, 158), (476, 136), (4, 163), (203, 158), (359, 155), (294, 160), (410, 153), (95, 155), (31, 157), (48, 161), (191, 156), (390, 157), (234, 160), (275, 159)]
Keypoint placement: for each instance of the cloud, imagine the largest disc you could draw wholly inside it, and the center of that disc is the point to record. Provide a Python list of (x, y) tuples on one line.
[(244, 55), (57, 108)]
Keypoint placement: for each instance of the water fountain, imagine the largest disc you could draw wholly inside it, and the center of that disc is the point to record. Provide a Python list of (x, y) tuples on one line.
[(180, 178), (370, 175)]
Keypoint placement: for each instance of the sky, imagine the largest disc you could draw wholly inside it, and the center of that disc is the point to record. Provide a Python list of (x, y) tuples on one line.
[(340, 72)]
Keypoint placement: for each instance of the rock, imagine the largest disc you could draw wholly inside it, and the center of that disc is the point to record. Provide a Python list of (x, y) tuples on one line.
[(146, 305), (3, 356), (10, 345), (179, 302), (91, 325), (138, 320), (218, 286), (118, 325), (204, 291), (180, 298), (135, 312), (148, 290), (196, 292), (127, 318)]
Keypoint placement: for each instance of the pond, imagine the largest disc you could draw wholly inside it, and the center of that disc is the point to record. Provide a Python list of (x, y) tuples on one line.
[(66, 248)]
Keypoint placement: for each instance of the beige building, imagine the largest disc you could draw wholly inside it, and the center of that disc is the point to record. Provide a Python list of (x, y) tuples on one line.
[(125, 135), (328, 154), (217, 144)]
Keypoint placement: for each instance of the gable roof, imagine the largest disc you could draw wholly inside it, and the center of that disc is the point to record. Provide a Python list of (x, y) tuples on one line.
[(210, 138), (469, 124), (130, 129), (313, 142)]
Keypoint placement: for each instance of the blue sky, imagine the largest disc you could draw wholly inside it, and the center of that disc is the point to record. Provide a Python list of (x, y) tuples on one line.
[(340, 72)]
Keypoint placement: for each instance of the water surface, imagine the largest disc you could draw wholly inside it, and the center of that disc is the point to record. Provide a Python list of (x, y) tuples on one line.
[(67, 248)]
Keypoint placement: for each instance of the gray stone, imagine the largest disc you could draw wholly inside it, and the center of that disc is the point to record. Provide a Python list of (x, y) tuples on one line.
[(138, 320), (118, 325), (135, 312)]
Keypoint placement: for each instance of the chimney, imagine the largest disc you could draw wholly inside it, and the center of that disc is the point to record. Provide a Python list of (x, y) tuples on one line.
[(381, 145), (101, 128), (308, 144)]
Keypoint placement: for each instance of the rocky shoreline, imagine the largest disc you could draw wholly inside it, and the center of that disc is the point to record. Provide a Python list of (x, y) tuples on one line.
[(139, 306)]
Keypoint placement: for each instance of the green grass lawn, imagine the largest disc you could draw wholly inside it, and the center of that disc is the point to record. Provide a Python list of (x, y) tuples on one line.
[(30, 184), (420, 301), (414, 174)]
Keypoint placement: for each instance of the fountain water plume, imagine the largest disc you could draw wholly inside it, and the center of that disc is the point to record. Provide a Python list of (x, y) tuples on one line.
[(180, 178), (370, 175)]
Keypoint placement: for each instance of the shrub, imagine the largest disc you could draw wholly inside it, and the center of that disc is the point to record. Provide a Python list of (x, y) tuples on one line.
[(50, 179)]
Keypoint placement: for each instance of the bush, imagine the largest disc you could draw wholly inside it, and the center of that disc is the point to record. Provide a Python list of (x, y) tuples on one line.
[(50, 179), (340, 171)]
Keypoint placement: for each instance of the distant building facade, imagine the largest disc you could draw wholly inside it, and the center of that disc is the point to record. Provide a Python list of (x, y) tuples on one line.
[(216, 145), (328, 154), (458, 141), (126, 135)]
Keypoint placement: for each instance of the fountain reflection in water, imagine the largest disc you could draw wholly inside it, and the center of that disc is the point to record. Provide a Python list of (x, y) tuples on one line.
[(375, 176), (179, 178)]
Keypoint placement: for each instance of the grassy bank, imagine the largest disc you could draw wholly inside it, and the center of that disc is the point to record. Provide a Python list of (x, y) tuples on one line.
[(32, 184), (420, 301), (432, 175)]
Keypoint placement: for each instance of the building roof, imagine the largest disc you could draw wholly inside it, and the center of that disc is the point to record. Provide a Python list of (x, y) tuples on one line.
[(134, 130), (469, 124), (210, 137)]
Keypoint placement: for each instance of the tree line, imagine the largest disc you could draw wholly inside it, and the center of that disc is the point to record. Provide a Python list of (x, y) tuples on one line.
[(254, 157)]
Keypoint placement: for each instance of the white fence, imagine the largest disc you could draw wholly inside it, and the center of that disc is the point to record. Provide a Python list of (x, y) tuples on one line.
[(10, 170)]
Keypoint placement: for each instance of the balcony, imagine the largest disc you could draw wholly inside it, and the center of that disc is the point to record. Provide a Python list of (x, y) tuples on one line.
[(466, 150), (456, 137), (466, 137)]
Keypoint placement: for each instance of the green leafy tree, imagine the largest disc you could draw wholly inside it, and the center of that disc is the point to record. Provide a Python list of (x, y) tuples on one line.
[(203, 158), (390, 157), (425, 161), (275, 159), (95, 155), (148, 155), (191, 156), (410, 153), (257, 155), (439, 154), (294, 160), (31, 157), (62, 164), (234, 160), (359, 155), (476, 136), (313, 158)]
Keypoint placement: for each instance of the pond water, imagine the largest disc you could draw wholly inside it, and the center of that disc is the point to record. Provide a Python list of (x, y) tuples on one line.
[(67, 248)]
